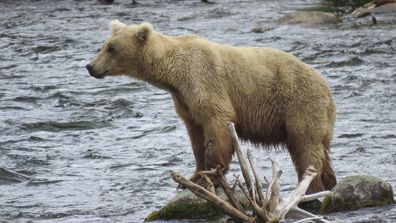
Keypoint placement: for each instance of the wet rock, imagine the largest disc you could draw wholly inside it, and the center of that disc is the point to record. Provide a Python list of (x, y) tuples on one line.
[(309, 18), (106, 1), (351, 193), (261, 29), (355, 192), (376, 7), (186, 205), (9, 176)]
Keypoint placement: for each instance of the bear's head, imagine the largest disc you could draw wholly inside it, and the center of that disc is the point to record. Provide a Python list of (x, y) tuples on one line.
[(123, 52)]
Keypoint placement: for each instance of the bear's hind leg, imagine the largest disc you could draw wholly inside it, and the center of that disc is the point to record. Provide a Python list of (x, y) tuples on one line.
[(305, 155), (328, 176)]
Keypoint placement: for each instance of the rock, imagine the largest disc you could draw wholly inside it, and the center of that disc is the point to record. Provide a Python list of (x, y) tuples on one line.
[(261, 29), (309, 18), (186, 205), (376, 7), (106, 1), (351, 193), (388, 8), (355, 192)]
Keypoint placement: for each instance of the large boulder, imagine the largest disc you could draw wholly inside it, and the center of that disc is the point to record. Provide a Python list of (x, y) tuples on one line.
[(186, 205), (376, 7), (355, 192), (351, 193), (309, 18)]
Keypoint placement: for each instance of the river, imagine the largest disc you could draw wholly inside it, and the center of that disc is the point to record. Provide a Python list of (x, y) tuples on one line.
[(102, 150)]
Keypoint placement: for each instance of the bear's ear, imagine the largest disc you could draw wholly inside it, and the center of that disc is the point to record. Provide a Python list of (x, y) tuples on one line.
[(144, 31), (116, 25)]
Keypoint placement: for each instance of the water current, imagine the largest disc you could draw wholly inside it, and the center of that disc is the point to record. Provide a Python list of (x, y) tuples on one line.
[(101, 150)]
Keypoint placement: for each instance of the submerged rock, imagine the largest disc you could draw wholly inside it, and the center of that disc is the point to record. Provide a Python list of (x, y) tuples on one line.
[(355, 192), (351, 193), (309, 18)]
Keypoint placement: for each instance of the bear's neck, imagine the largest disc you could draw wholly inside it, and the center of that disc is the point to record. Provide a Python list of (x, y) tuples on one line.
[(160, 70)]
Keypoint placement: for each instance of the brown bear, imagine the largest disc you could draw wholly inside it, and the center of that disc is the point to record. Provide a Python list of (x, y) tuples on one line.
[(272, 97)]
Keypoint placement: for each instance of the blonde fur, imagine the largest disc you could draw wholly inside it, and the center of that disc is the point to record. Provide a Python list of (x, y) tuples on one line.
[(271, 96), (116, 25)]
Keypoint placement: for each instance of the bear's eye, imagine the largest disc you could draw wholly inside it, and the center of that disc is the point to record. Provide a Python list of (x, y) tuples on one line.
[(110, 49)]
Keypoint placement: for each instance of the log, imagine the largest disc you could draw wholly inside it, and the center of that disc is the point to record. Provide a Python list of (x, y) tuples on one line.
[(212, 198), (229, 192), (259, 186), (242, 162), (271, 207)]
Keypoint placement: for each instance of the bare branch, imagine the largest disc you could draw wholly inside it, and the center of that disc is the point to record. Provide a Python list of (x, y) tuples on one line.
[(256, 178), (229, 192), (212, 198), (259, 211), (209, 172), (266, 180), (298, 213), (210, 184), (241, 159), (236, 181), (269, 208), (294, 198), (253, 193), (273, 192), (312, 197)]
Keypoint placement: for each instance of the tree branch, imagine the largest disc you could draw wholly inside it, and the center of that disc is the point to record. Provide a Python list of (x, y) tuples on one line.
[(212, 198), (270, 207), (256, 178), (241, 159)]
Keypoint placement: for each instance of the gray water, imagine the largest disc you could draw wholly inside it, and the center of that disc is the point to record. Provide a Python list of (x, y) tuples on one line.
[(101, 150)]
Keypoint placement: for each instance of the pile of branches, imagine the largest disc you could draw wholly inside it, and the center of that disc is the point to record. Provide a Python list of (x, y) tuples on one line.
[(268, 206)]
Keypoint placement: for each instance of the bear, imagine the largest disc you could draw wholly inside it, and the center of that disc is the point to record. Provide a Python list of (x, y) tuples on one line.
[(273, 98)]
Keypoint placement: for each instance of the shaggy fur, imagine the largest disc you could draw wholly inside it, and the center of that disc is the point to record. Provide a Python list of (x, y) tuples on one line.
[(272, 97)]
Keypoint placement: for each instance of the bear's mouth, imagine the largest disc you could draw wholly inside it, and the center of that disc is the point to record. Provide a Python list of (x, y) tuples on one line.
[(97, 76), (100, 76)]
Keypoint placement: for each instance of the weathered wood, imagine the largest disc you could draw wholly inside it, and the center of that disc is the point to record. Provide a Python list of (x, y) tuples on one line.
[(212, 198), (294, 198), (273, 191), (256, 178), (229, 192), (271, 207), (305, 216), (312, 197), (242, 162)]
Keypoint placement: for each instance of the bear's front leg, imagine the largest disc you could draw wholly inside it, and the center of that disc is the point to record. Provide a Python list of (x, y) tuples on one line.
[(195, 133), (218, 145), (196, 138)]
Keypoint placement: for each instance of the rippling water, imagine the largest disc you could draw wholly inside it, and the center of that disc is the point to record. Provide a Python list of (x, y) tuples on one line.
[(101, 150)]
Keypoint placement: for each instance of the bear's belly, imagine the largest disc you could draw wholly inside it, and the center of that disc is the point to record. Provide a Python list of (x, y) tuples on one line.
[(262, 133)]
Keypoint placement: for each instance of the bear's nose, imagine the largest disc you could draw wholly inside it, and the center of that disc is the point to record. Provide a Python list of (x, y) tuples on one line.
[(89, 68)]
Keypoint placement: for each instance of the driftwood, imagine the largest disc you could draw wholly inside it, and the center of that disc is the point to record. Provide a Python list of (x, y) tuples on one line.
[(368, 8), (267, 207)]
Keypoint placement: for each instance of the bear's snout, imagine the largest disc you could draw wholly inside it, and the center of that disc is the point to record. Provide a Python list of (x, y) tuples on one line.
[(92, 72), (90, 69)]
